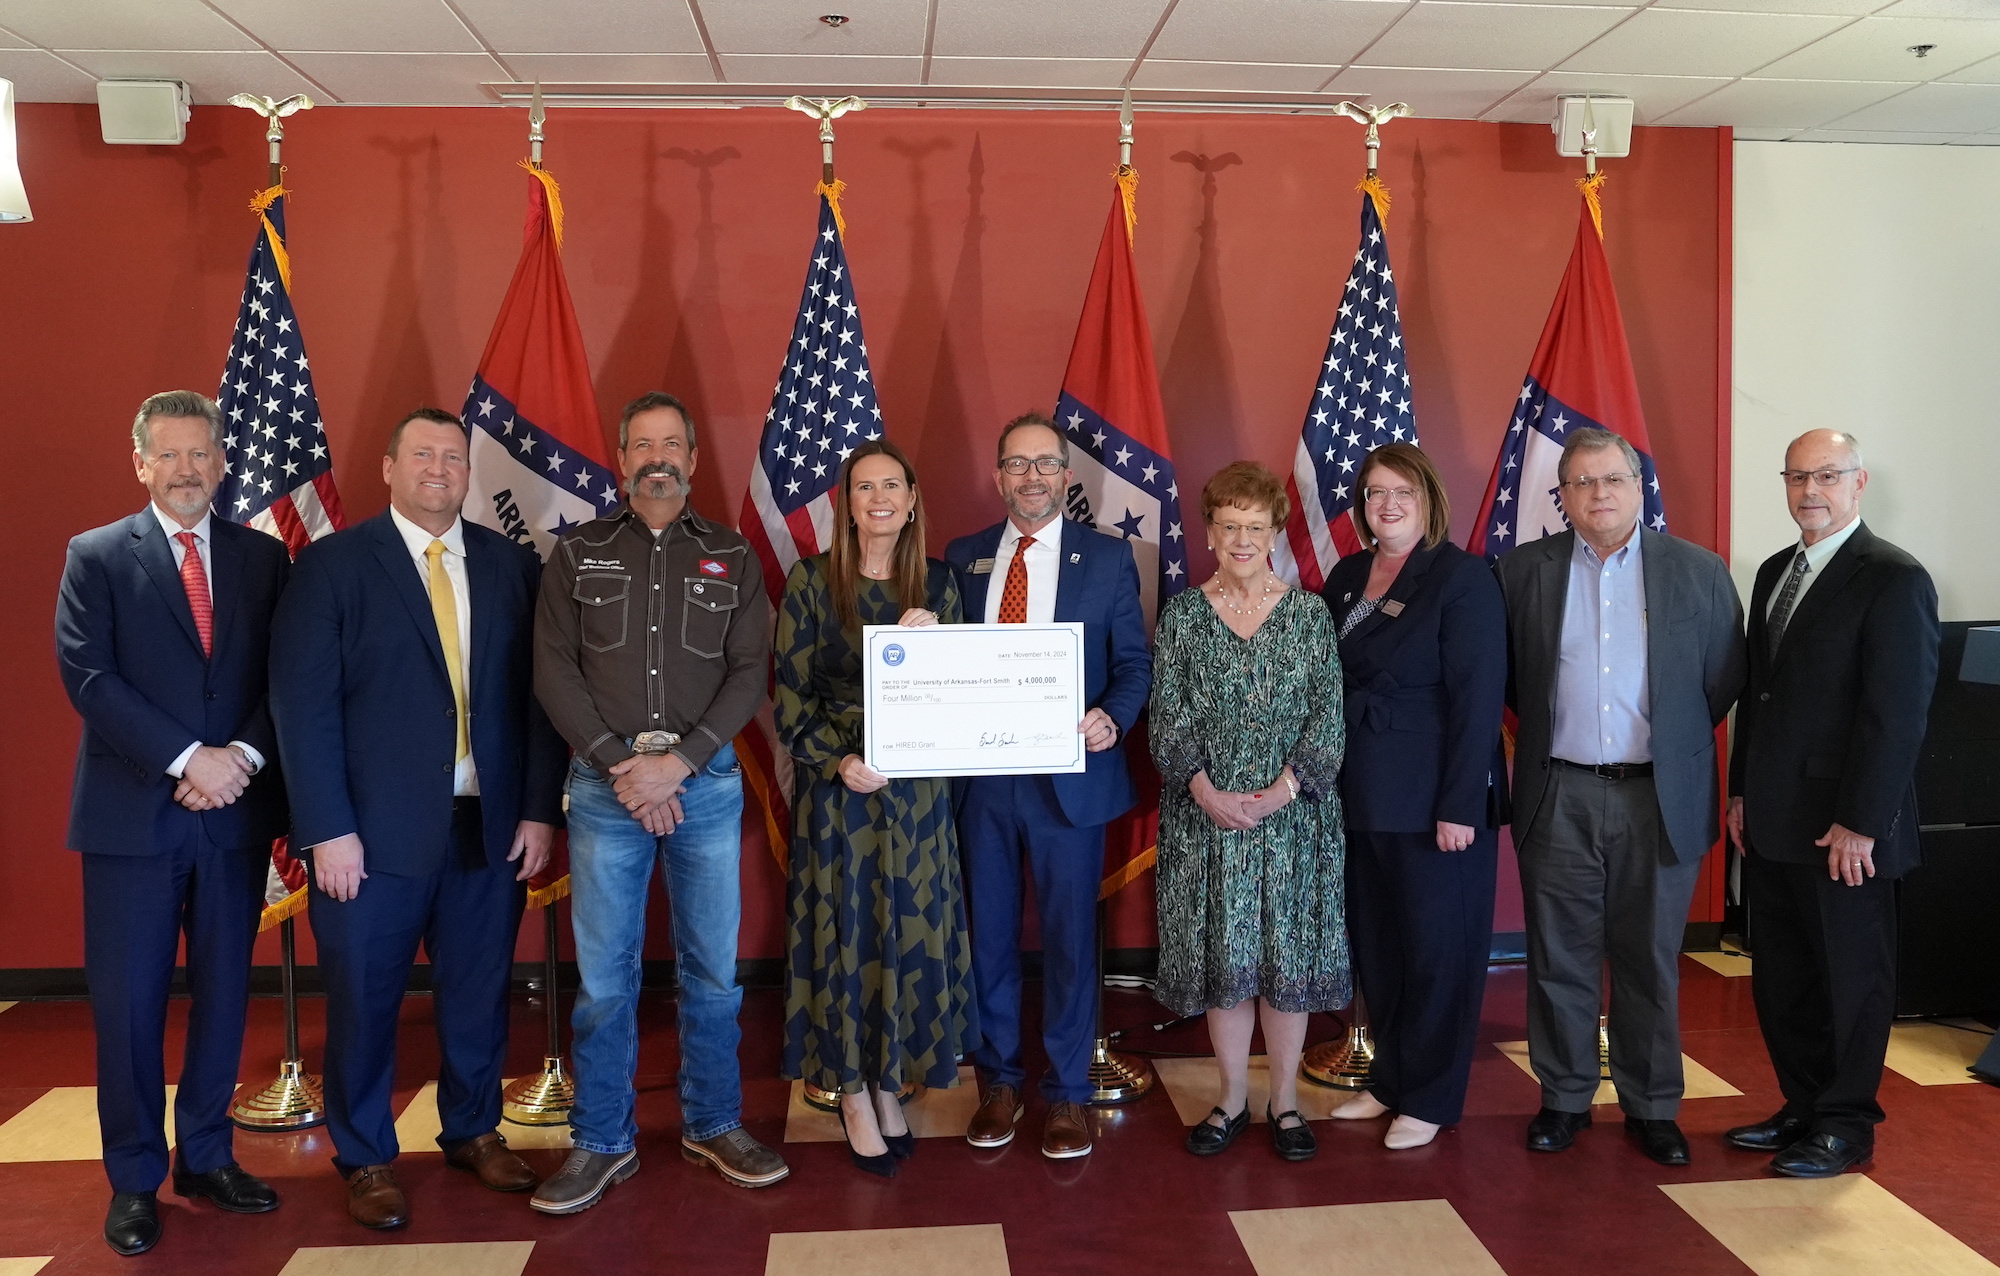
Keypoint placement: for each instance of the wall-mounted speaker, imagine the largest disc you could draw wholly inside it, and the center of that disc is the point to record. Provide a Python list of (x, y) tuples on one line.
[(143, 112)]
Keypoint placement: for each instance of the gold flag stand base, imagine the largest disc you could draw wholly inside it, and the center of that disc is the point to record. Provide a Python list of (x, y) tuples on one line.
[(1117, 1078), (1343, 1064), (824, 1100), (542, 1099), (1603, 1048), (293, 1102)]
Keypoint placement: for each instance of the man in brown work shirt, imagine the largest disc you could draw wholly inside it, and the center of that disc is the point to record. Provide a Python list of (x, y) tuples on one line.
[(652, 650)]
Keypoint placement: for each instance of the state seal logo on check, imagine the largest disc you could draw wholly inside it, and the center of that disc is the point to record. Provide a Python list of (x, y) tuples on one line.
[(949, 700)]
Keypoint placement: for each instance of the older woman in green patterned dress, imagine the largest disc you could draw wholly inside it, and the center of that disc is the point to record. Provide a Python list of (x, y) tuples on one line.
[(1247, 730)]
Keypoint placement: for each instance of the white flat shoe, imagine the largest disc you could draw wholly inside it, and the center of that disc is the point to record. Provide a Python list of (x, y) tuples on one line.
[(1407, 1132), (1362, 1107)]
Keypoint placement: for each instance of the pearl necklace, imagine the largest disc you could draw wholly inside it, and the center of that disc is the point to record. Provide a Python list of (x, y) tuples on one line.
[(1263, 600)]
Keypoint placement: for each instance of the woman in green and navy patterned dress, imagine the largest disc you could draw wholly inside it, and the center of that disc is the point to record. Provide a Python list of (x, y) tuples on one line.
[(1247, 729), (879, 993)]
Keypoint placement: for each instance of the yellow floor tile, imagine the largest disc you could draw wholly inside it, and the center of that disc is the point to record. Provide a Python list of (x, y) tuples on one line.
[(979, 1250), (1394, 1236), (418, 1128), (933, 1114), (1700, 1083), (1935, 1053), (1809, 1227), (1729, 961), (1195, 1086), (23, 1266), (464, 1258), (5, 1006), (62, 1126)]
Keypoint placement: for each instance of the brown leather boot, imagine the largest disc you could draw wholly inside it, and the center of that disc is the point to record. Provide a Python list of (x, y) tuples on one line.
[(375, 1199), (993, 1124), (489, 1157)]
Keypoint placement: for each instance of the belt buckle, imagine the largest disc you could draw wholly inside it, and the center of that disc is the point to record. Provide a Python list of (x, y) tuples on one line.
[(655, 742)]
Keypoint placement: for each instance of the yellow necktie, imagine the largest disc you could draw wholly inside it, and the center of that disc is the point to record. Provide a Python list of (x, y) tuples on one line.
[(444, 610)]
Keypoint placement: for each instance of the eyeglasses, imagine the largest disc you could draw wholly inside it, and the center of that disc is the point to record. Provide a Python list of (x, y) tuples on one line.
[(1045, 465), (1243, 529), (1825, 478), (1613, 483), (1380, 495)]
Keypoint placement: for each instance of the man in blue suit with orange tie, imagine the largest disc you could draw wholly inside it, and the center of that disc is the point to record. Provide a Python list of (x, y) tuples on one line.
[(1047, 569), (425, 786), (162, 630)]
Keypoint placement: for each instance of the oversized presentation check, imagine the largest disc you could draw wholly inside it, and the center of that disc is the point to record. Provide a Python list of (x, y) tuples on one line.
[(973, 699)]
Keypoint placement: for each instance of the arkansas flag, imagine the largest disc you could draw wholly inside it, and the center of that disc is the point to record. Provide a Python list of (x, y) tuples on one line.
[(538, 459), (1581, 375), (1125, 483)]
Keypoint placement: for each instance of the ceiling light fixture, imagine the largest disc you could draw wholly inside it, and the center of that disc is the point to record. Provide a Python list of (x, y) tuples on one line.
[(13, 195), (835, 20)]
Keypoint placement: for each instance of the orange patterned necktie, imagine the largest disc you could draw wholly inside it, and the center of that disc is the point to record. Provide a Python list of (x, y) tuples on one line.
[(1014, 595), (195, 581)]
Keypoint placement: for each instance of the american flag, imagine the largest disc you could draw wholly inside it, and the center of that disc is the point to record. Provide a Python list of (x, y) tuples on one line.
[(1361, 402), (279, 474), (823, 407)]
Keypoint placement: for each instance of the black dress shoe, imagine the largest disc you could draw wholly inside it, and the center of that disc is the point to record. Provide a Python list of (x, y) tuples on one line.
[(1207, 1140), (1773, 1135), (1553, 1131), (902, 1146), (881, 1166), (133, 1224), (1821, 1156), (1295, 1142), (230, 1187), (1660, 1140)]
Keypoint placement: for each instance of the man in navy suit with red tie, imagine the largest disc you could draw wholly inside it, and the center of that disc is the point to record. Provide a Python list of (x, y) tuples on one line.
[(162, 633), (1038, 567)]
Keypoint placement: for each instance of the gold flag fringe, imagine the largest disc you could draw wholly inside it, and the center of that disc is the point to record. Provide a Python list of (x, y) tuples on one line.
[(1125, 876), (1377, 190), (543, 897), (290, 906), (833, 191), (555, 197), (1591, 187), (260, 204), (1128, 190)]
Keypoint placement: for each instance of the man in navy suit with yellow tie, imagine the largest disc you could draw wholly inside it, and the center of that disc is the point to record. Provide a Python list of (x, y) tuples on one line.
[(1039, 567), (425, 786), (162, 630)]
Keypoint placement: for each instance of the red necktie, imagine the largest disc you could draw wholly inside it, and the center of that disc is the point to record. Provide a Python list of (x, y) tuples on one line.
[(1014, 595), (195, 581)]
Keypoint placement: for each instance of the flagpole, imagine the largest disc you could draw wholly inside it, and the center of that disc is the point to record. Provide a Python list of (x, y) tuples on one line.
[(1347, 1062), (295, 1099)]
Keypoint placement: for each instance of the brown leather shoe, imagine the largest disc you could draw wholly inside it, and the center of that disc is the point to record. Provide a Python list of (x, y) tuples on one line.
[(993, 1124), (375, 1199), (1067, 1132), (496, 1165)]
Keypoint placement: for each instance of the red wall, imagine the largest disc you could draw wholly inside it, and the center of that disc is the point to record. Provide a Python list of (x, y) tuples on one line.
[(970, 235)]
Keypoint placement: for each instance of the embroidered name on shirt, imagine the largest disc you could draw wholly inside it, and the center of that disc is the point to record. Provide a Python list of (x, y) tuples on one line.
[(589, 562)]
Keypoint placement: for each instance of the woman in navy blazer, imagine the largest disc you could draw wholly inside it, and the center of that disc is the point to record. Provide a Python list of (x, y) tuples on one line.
[(1423, 643)]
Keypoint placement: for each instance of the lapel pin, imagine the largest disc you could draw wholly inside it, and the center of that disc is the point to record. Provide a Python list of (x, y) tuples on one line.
[(1391, 608), (1347, 597), (1076, 558)]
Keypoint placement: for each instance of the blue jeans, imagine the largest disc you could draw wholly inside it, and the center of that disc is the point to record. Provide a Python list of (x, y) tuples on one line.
[(611, 865)]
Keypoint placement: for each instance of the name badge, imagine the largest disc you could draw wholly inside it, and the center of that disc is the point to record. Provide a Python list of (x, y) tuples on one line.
[(982, 567), (1391, 608)]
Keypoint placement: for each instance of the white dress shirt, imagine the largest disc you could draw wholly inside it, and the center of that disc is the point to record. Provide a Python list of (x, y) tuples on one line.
[(1044, 564), (1817, 555), (1603, 710), (172, 528), (465, 782)]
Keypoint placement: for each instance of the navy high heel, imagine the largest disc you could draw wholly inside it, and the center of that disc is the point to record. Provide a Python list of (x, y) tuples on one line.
[(883, 1165)]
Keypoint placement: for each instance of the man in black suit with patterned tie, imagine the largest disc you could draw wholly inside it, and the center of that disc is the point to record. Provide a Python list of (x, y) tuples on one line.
[(1823, 804), (162, 633)]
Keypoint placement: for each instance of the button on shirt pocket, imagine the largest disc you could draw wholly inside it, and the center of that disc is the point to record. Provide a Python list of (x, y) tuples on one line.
[(605, 598), (707, 606)]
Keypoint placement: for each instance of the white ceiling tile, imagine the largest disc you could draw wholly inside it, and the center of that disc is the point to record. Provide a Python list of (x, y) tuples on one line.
[(1987, 72), (1879, 49), (1693, 42), (12, 42), (893, 28), (1652, 95), (41, 77), (1978, 139), (784, 69), (612, 68), (211, 77), (1051, 73), (1941, 9), (1244, 77), (126, 24), (1762, 134), (1277, 32), (1895, 139), (1775, 104), (354, 26), (583, 26), (1040, 28), (1835, 8), (405, 79), (1524, 37), (1935, 108), (1433, 93)]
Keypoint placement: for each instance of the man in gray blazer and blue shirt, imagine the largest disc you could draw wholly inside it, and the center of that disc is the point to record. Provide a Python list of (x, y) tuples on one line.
[(1626, 649)]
